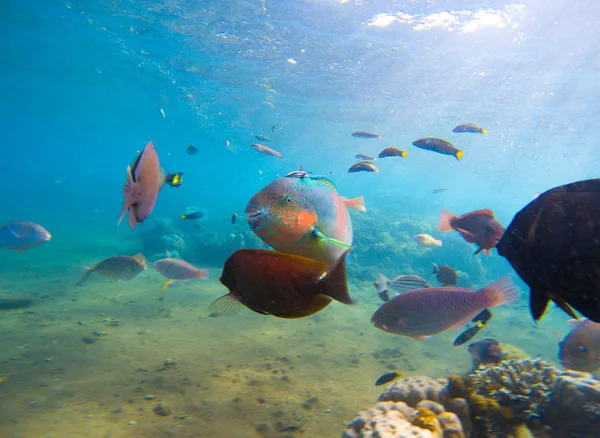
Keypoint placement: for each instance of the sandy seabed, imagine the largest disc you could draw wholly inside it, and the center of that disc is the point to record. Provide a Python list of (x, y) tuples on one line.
[(246, 375)]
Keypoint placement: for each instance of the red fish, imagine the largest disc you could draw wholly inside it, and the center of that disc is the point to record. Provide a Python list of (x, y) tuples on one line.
[(425, 312), (478, 227), (144, 180)]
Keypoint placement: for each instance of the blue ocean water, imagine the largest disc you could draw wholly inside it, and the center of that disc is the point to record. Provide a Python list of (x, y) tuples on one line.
[(86, 84)]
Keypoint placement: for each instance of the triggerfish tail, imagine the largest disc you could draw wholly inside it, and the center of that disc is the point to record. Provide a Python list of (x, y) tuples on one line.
[(446, 221), (226, 305), (85, 274), (335, 283), (320, 235), (500, 292), (355, 203)]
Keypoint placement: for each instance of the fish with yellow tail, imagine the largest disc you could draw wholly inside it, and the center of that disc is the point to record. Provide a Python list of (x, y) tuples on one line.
[(305, 216), (175, 269), (438, 145)]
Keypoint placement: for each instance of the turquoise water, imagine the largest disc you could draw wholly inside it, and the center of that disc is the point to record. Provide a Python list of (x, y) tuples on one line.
[(85, 85)]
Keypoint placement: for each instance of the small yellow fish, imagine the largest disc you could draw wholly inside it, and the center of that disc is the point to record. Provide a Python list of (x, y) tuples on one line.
[(426, 241)]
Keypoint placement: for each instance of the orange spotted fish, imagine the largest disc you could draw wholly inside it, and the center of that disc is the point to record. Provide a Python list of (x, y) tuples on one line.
[(303, 216)]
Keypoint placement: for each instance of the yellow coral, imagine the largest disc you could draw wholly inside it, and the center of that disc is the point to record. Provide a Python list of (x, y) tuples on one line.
[(426, 419)]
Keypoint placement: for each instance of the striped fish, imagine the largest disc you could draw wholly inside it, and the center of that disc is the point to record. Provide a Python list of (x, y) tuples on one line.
[(400, 284)]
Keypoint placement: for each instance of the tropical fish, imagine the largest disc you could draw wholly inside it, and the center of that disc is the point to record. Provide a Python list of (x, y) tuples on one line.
[(193, 215), (388, 377), (486, 351), (116, 268), (445, 275), (470, 127), (363, 166), (392, 152), (266, 151), (144, 180), (364, 157), (177, 269), (438, 145), (191, 150), (580, 349), (282, 285), (400, 284), (425, 312), (300, 173), (426, 241), (553, 244), (261, 137), (365, 134), (22, 235), (174, 179), (303, 216), (436, 191), (480, 321), (480, 227), (234, 218)]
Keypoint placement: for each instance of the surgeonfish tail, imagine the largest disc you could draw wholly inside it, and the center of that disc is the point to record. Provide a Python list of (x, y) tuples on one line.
[(224, 306), (140, 258), (404, 154), (446, 221), (484, 131), (357, 203), (500, 292), (335, 283), (436, 269), (85, 274), (382, 283), (459, 155), (183, 216)]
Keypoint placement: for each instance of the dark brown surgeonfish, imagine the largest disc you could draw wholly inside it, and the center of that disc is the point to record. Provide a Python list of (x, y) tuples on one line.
[(445, 275), (554, 245), (144, 180), (279, 284)]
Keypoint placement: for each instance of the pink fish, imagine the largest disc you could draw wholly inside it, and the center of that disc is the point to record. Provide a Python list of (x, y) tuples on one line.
[(266, 150), (22, 235), (144, 180), (425, 312), (177, 269), (480, 227)]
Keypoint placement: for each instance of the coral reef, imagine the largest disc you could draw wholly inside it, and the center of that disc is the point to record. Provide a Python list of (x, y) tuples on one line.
[(398, 420), (412, 390), (522, 387), (516, 398), (574, 410)]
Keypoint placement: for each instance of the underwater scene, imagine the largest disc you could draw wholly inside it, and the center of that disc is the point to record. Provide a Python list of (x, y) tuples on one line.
[(300, 218)]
